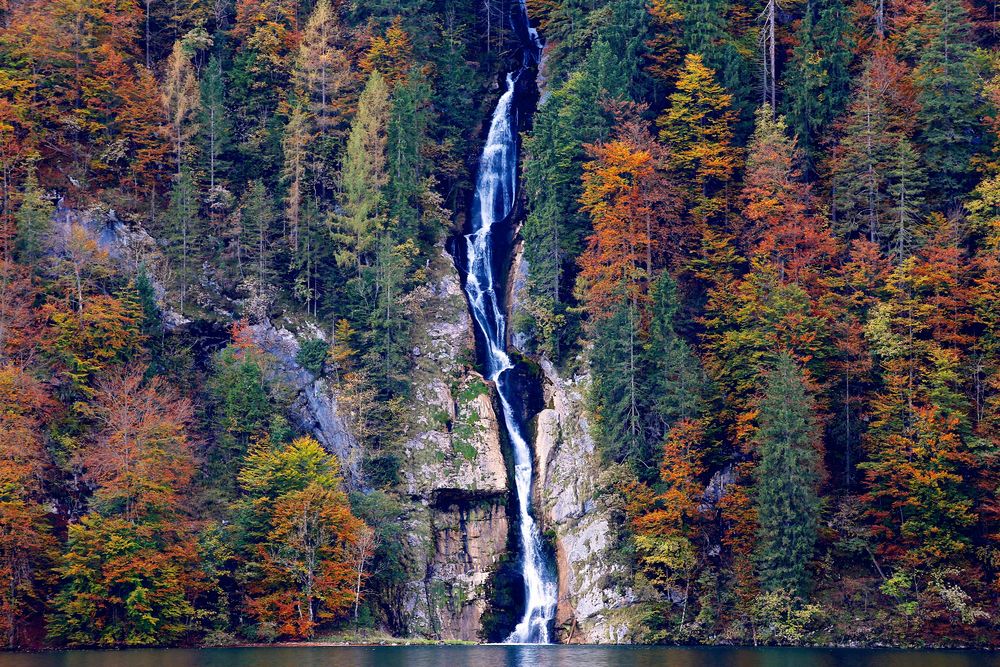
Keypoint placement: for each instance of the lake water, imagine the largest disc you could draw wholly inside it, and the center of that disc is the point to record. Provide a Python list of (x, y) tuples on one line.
[(503, 656)]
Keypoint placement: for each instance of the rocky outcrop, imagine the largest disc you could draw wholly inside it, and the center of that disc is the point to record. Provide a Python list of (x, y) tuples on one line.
[(451, 466), (315, 400), (452, 475), (591, 602), (593, 607)]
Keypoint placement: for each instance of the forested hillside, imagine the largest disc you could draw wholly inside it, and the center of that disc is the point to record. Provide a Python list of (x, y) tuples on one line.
[(239, 393)]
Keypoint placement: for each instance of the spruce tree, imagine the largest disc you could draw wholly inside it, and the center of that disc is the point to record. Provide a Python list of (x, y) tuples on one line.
[(787, 479), (616, 397), (257, 234), (833, 36), (33, 220), (947, 98), (806, 81), (674, 384), (214, 121), (184, 232), (407, 138)]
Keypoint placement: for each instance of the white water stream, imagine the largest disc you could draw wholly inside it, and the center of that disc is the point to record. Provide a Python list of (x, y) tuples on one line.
[(496, 187)]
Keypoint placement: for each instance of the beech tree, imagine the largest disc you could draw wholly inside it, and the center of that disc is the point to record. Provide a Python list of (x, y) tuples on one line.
[(299, 534)]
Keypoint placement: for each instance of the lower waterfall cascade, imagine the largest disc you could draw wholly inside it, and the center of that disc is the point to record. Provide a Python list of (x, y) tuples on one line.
[(493, 202)]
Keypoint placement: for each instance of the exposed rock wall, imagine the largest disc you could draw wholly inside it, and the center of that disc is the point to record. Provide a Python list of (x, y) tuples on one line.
[(452, 474), (592, 604), (593, 607), (452, 468)]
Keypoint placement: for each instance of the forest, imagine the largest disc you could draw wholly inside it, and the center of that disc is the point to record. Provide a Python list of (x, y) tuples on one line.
[(764, 236)]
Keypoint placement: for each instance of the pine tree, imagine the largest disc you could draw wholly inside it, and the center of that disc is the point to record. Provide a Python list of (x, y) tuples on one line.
[(946, 93), (214, 122), (33, 220), (905, 226), (325, 84), (555, 228), (788, 474), (835, 40), (322, 76)]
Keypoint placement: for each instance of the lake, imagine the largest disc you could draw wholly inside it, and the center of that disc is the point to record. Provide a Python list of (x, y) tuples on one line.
[(503, 656)]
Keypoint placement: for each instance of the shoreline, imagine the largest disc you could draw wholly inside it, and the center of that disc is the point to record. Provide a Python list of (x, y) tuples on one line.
[(429, 643)]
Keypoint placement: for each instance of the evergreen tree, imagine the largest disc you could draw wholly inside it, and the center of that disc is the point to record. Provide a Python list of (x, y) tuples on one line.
[(185, 231), (257, 233), (947, 96), (905, 226), (616, 391), (834, 38), (33, 220), (787, 481), (215, 124), (806, 82), (674, 383), (818, 77), (875, 155), (555, 228), (407, 138)]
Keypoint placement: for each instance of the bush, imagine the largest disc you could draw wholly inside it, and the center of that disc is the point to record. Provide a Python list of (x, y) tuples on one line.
[(312, 355)]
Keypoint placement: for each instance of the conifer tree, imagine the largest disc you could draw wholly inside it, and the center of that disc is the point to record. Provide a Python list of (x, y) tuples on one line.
[(33, 220), (185, 230), (214, 123), (788, 474), (406, 141), (875, 164), (257, 232), (674, 383), (947, 97)]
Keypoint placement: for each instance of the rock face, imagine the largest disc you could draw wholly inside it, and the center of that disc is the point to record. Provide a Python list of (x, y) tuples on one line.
[(452, 467), (315, 400), (592, 606), (452, 475)]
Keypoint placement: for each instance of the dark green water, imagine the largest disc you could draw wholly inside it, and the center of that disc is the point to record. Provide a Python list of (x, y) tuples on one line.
[(503, 656)]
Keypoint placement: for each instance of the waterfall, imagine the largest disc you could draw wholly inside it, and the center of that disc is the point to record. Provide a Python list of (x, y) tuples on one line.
[(496, 188)]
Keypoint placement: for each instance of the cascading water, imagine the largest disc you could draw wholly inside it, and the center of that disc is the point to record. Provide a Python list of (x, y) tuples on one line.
[(496, 186)]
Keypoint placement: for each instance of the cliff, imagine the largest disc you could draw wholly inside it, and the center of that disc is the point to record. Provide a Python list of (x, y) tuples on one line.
[(452, 476)]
